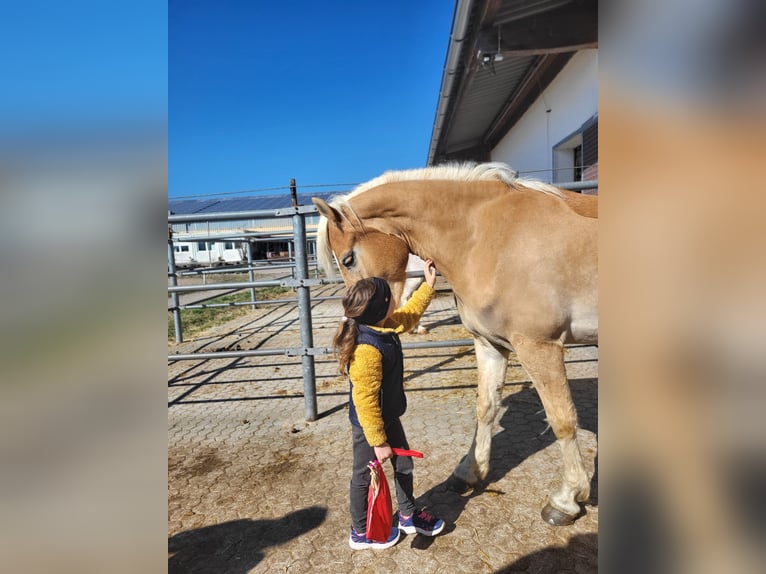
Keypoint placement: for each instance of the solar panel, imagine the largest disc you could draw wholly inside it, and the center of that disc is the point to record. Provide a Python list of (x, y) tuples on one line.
[(254, 203)]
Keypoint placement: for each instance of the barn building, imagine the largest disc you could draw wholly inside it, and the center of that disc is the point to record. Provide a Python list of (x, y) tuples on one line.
[(222, 242), (520, 85)]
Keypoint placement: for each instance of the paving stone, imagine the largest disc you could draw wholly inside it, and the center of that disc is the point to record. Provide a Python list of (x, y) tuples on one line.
[(253, 487)]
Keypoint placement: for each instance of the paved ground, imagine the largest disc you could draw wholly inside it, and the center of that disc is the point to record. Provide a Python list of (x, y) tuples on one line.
[(253, 487)]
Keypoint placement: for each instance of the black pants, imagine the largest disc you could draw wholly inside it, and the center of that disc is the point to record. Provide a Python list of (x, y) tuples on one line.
[(360, 477)]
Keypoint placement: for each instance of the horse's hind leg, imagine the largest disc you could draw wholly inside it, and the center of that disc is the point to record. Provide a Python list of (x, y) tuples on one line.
[(544, 361), (492, 365)]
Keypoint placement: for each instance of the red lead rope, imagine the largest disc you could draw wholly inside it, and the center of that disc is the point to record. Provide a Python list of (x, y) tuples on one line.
[(403, 452)]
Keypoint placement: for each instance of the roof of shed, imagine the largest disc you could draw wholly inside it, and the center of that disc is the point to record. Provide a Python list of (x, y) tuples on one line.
[(482, 95), (228, 205)]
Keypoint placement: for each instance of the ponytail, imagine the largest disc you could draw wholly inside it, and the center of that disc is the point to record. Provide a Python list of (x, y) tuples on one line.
[(355, 303), (344, 343)]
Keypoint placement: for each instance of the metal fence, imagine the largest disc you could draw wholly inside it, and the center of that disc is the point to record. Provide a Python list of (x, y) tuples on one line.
[(299, 280)]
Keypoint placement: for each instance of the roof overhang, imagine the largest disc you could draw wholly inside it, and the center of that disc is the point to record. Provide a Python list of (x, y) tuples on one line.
[(502, 54)]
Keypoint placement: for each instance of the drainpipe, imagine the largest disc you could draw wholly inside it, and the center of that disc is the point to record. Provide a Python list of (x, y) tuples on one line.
[(457, 36)]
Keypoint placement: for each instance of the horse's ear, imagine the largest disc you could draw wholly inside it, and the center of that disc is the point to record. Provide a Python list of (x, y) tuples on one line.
[(330, 213)]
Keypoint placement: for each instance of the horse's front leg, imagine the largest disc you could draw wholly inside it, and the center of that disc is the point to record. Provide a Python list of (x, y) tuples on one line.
[(544, 361), (492, 365)]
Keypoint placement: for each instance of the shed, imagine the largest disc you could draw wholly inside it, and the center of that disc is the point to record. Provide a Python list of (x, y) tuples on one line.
[(221, 242), (520, 85)]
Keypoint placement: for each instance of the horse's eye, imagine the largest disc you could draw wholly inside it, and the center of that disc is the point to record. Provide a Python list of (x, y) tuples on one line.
[(348, 260)]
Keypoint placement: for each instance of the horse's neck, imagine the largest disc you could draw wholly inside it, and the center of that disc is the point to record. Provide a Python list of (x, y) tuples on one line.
[(430, 216)]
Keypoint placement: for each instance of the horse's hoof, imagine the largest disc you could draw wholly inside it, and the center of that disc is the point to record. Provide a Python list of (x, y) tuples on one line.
[(555, 517), (458, 485)]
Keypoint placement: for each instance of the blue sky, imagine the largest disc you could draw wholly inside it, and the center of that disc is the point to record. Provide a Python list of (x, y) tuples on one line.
[(82, 65), (323, 92)]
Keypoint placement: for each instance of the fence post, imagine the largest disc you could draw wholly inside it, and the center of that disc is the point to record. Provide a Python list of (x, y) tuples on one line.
[(304, 308), (173, 283), (250, 273)]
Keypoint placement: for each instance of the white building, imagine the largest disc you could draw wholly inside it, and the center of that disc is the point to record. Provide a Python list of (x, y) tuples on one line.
[(210, 243), (520, 85), (209, 252)]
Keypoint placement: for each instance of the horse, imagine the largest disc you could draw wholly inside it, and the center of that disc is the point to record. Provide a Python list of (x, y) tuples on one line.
[(521, 258), (414, 263)]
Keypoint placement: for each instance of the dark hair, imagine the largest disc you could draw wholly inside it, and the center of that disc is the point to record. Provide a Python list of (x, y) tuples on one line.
[(355, 304)]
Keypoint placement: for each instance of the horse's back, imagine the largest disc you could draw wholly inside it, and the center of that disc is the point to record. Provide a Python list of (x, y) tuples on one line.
[(585, 205)]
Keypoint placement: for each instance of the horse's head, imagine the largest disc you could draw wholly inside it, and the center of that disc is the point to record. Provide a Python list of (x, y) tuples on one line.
[(361, 250)]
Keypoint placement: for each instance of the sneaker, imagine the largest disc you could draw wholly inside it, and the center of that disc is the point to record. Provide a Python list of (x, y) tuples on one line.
[(358, 541), (421, 522)]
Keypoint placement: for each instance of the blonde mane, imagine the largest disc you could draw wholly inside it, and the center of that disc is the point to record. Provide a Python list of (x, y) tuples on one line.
[(324, 251), (466, 171)]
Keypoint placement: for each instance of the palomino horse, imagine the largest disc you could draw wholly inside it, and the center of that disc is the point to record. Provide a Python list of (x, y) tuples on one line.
[(414, 263), (521, 257)]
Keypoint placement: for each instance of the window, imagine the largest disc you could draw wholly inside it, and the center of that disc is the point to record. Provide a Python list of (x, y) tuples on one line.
[(567, 159), (590, 151), (201, 246), (228, 245), (185, 248), (577, 159)]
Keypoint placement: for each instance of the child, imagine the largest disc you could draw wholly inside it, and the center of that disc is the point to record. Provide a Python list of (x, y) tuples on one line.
[(367, 345)]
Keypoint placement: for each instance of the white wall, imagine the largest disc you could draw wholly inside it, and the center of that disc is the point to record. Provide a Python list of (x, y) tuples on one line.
[(572, 98), (215, 252)]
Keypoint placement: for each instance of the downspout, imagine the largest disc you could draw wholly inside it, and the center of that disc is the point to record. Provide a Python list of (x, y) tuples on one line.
[(457, 36)]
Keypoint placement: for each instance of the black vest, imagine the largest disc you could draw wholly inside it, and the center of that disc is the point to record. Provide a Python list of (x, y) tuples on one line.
[(393, 402)]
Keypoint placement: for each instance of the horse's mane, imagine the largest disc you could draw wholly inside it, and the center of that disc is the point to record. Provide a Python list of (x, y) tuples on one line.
[(464, 171)]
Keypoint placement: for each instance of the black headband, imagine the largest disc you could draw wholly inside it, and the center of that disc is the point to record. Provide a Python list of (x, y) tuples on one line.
[(378, 305)]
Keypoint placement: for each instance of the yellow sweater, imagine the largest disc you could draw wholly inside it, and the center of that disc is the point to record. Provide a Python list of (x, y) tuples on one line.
[(366, 366)]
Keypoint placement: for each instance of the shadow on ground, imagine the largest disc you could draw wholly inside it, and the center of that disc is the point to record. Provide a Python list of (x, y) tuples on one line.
[(236, 547), (580, 555)]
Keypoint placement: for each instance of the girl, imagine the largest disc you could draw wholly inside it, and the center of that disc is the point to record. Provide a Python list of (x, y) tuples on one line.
[(368, 348)]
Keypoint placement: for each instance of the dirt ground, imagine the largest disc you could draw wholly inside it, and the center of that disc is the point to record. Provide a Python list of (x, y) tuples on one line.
[(254, 487)]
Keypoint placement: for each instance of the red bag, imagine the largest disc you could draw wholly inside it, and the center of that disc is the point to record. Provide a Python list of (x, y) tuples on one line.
[(379, 509)]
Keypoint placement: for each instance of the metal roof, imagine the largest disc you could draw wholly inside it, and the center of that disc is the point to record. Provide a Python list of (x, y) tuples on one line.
[(234, 204), (501, 55), (480, 105), (519, 9)]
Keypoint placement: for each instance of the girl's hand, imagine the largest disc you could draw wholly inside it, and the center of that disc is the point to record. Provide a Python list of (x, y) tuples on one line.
[(430, 273), (383, 452)]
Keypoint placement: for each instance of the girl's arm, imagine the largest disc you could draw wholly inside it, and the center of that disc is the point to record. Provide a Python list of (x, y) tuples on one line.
[(366, 373), (408, 315)]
